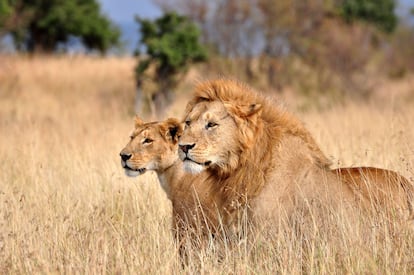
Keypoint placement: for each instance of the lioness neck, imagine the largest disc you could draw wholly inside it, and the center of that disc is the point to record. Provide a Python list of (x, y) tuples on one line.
[(168, 176)]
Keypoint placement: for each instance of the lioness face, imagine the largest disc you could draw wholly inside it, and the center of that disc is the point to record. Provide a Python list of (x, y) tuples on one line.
[(209, 138), (153, 146)]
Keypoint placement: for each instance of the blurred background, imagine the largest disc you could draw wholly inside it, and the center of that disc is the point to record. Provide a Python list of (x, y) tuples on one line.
[(324, 51), (73, 73)]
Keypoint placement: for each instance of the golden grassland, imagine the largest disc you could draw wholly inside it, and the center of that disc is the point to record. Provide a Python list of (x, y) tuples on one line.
[(67, 207)]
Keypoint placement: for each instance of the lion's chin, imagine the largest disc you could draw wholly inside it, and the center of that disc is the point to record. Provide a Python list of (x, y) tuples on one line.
[(192, 167)]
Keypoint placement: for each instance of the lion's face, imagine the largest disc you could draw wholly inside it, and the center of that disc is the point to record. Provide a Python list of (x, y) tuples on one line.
[(209, 138), (153, 146)]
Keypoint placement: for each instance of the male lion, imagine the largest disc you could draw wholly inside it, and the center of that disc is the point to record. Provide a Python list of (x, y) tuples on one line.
[(262, 159)]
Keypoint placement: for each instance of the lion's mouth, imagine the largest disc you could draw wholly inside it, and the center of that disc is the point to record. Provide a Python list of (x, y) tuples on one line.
[(207, 163)]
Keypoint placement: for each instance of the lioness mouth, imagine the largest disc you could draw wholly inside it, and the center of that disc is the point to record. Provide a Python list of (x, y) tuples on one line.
[(139, 170)]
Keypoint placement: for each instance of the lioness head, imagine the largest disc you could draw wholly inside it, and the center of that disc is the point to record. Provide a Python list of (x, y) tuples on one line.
[(218, 126), (153, 146)]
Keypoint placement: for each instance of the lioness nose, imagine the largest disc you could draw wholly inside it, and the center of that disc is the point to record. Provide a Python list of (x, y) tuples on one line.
[(125, 157), (186, 147)]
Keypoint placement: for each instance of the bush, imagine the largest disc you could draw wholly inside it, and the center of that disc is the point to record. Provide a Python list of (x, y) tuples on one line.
[(40, 25), (378, 12), (172, 43)]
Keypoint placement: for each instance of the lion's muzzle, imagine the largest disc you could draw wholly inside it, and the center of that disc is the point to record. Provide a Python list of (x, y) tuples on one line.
[(186, 147)]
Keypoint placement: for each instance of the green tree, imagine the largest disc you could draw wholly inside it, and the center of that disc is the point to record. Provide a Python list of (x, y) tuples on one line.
[(40, 25), (5, 9), (172, 43), (381, 13)]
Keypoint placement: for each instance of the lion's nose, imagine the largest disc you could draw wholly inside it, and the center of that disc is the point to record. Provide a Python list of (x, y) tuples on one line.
[(186, 147), (125, 157)]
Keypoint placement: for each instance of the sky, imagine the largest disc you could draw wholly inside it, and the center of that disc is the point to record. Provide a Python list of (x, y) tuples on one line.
[(404, 7), (122, 13)]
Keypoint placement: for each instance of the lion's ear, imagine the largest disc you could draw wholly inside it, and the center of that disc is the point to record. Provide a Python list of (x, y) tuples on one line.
[(253, 109), (138, 121), (174, 129), (245, 111), (246, 118)]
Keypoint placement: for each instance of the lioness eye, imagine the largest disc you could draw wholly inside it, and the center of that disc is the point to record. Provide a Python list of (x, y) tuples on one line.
[(211, 125), (131, 137), (147, 140), (187, 123)]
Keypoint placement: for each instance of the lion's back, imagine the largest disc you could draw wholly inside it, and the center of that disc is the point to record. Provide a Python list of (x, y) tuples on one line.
[(379, 188), (297, 181)]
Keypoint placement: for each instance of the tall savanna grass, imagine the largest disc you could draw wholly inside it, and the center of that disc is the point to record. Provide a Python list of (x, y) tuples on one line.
[(67, 207)]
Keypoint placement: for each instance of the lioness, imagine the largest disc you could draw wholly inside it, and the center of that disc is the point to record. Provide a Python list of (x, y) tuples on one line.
[(152, 147), (259, 157)]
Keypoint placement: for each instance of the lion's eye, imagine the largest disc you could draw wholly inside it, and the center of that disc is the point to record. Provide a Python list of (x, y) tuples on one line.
[(131, 137), (187, 122), (147, 141), (211, 125)]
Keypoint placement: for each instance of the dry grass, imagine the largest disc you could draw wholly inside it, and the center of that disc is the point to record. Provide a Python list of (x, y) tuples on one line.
[(66, 206)]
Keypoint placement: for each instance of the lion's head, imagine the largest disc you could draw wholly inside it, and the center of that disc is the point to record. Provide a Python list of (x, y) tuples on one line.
[(229, 125), (153, 146), (218, 130)]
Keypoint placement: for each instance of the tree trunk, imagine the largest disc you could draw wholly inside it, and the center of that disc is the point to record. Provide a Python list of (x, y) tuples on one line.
[(161, 100), (138, 98), (39, 42), (164, 95)]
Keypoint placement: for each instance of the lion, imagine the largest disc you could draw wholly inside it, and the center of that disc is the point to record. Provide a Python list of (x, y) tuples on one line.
[(196, 202), (261, 160), (153, 146)]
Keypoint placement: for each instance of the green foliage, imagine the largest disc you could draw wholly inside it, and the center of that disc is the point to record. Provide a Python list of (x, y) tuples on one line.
[(45, 23), (6, 10), (172, 42), (5, 7), (378, 12)]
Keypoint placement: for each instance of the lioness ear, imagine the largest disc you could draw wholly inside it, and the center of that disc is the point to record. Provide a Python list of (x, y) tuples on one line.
[(138, 121), (174, 129)]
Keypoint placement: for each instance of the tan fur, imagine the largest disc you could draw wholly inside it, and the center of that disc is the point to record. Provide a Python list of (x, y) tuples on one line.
[(194, 210), (152, 146), (380, 188), (257, 156), (268, 167)]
